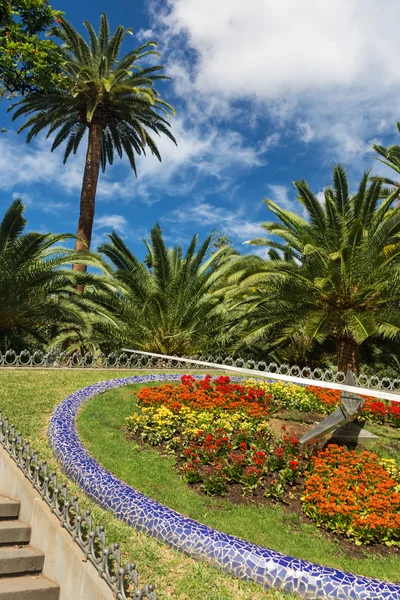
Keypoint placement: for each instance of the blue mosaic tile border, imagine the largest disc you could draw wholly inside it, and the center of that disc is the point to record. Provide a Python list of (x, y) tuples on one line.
[(236, 556)]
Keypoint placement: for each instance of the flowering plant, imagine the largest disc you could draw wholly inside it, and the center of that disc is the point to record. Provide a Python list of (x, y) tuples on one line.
[(353, 494), (222, 458), (313, 398), (219, 431), (218, 395), (288, 395), (220, 435)]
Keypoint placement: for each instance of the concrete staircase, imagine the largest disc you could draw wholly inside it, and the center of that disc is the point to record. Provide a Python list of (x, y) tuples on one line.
[(20, 565)]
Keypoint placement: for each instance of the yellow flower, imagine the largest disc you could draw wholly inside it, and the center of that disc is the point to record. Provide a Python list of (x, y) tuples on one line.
[(390, 465)]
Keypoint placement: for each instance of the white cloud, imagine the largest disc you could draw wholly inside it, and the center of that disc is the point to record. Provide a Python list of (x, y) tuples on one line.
[(266, 48), (117, 222), (104, 224), (306, 132), (205, 152), (285, 197), (233, 223), (323, 71), (271, 141), (53, 208), (327, 66), (260, 251), (49, 208), (144, 35), (200, 152), (22, 164), (26, 199)]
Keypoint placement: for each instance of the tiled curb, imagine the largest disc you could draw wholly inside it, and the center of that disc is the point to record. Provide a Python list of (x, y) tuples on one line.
[(240, 558)]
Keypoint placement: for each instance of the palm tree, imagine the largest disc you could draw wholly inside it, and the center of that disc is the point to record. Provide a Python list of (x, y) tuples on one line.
[(341, 277), (111, 98), (170, 305), (37, 285), (389, 156)]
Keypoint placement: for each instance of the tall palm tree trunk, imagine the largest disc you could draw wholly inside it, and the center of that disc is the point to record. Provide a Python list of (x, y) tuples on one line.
[(88, 194), (347, 354)]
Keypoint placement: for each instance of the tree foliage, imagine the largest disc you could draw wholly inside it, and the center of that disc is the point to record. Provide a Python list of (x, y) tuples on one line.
[(171, 308), (389, 156), (28, 61), (111, 98), (341, 277), (37, 285), (101, 87)]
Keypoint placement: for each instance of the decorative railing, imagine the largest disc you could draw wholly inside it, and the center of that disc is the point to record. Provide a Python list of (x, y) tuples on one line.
[(385, 389), (134, 359), (123, 580)]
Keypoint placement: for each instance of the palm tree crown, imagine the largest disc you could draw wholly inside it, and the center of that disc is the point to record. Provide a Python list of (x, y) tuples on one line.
[(389, 156), (168, 306), (341, 276), (112, 98), (37, 285), (115, 93)]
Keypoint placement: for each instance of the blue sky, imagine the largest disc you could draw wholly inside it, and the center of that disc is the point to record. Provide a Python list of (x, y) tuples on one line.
[(267, 92)]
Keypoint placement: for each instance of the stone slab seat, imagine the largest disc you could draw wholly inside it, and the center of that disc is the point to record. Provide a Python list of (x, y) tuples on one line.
[(16, 561), (28, 588)]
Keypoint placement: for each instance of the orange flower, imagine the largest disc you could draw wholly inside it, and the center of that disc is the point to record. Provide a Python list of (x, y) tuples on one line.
[(353, 494), (207, 394)]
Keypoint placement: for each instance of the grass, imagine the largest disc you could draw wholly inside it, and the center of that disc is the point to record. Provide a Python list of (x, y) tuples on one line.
[(28, 398), (100, 424)]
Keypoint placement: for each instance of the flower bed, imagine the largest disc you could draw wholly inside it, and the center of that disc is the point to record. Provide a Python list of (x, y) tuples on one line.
[(324, 401), (374, 410), (354, 494), (220, 433)]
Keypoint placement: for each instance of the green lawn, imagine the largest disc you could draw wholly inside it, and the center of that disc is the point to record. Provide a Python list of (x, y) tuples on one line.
[(28, 398), (100, 427)]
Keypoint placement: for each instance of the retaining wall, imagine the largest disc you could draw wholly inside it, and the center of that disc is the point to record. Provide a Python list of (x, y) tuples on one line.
[(64, 561)]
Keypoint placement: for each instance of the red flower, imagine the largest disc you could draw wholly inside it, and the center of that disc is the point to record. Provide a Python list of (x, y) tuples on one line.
[(259, 457)]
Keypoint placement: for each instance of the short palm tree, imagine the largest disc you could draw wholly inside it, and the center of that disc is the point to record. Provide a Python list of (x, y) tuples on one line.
[(168, 305), (37, 284), (110, 98), (343, 280)]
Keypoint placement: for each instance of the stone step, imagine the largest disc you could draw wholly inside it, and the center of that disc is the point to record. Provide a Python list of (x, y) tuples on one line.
[(28, 588), (9, 509), (14, 532), (14, 561)]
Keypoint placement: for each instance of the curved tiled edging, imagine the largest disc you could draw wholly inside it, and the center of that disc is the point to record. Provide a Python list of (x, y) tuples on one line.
[(240, 558)]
